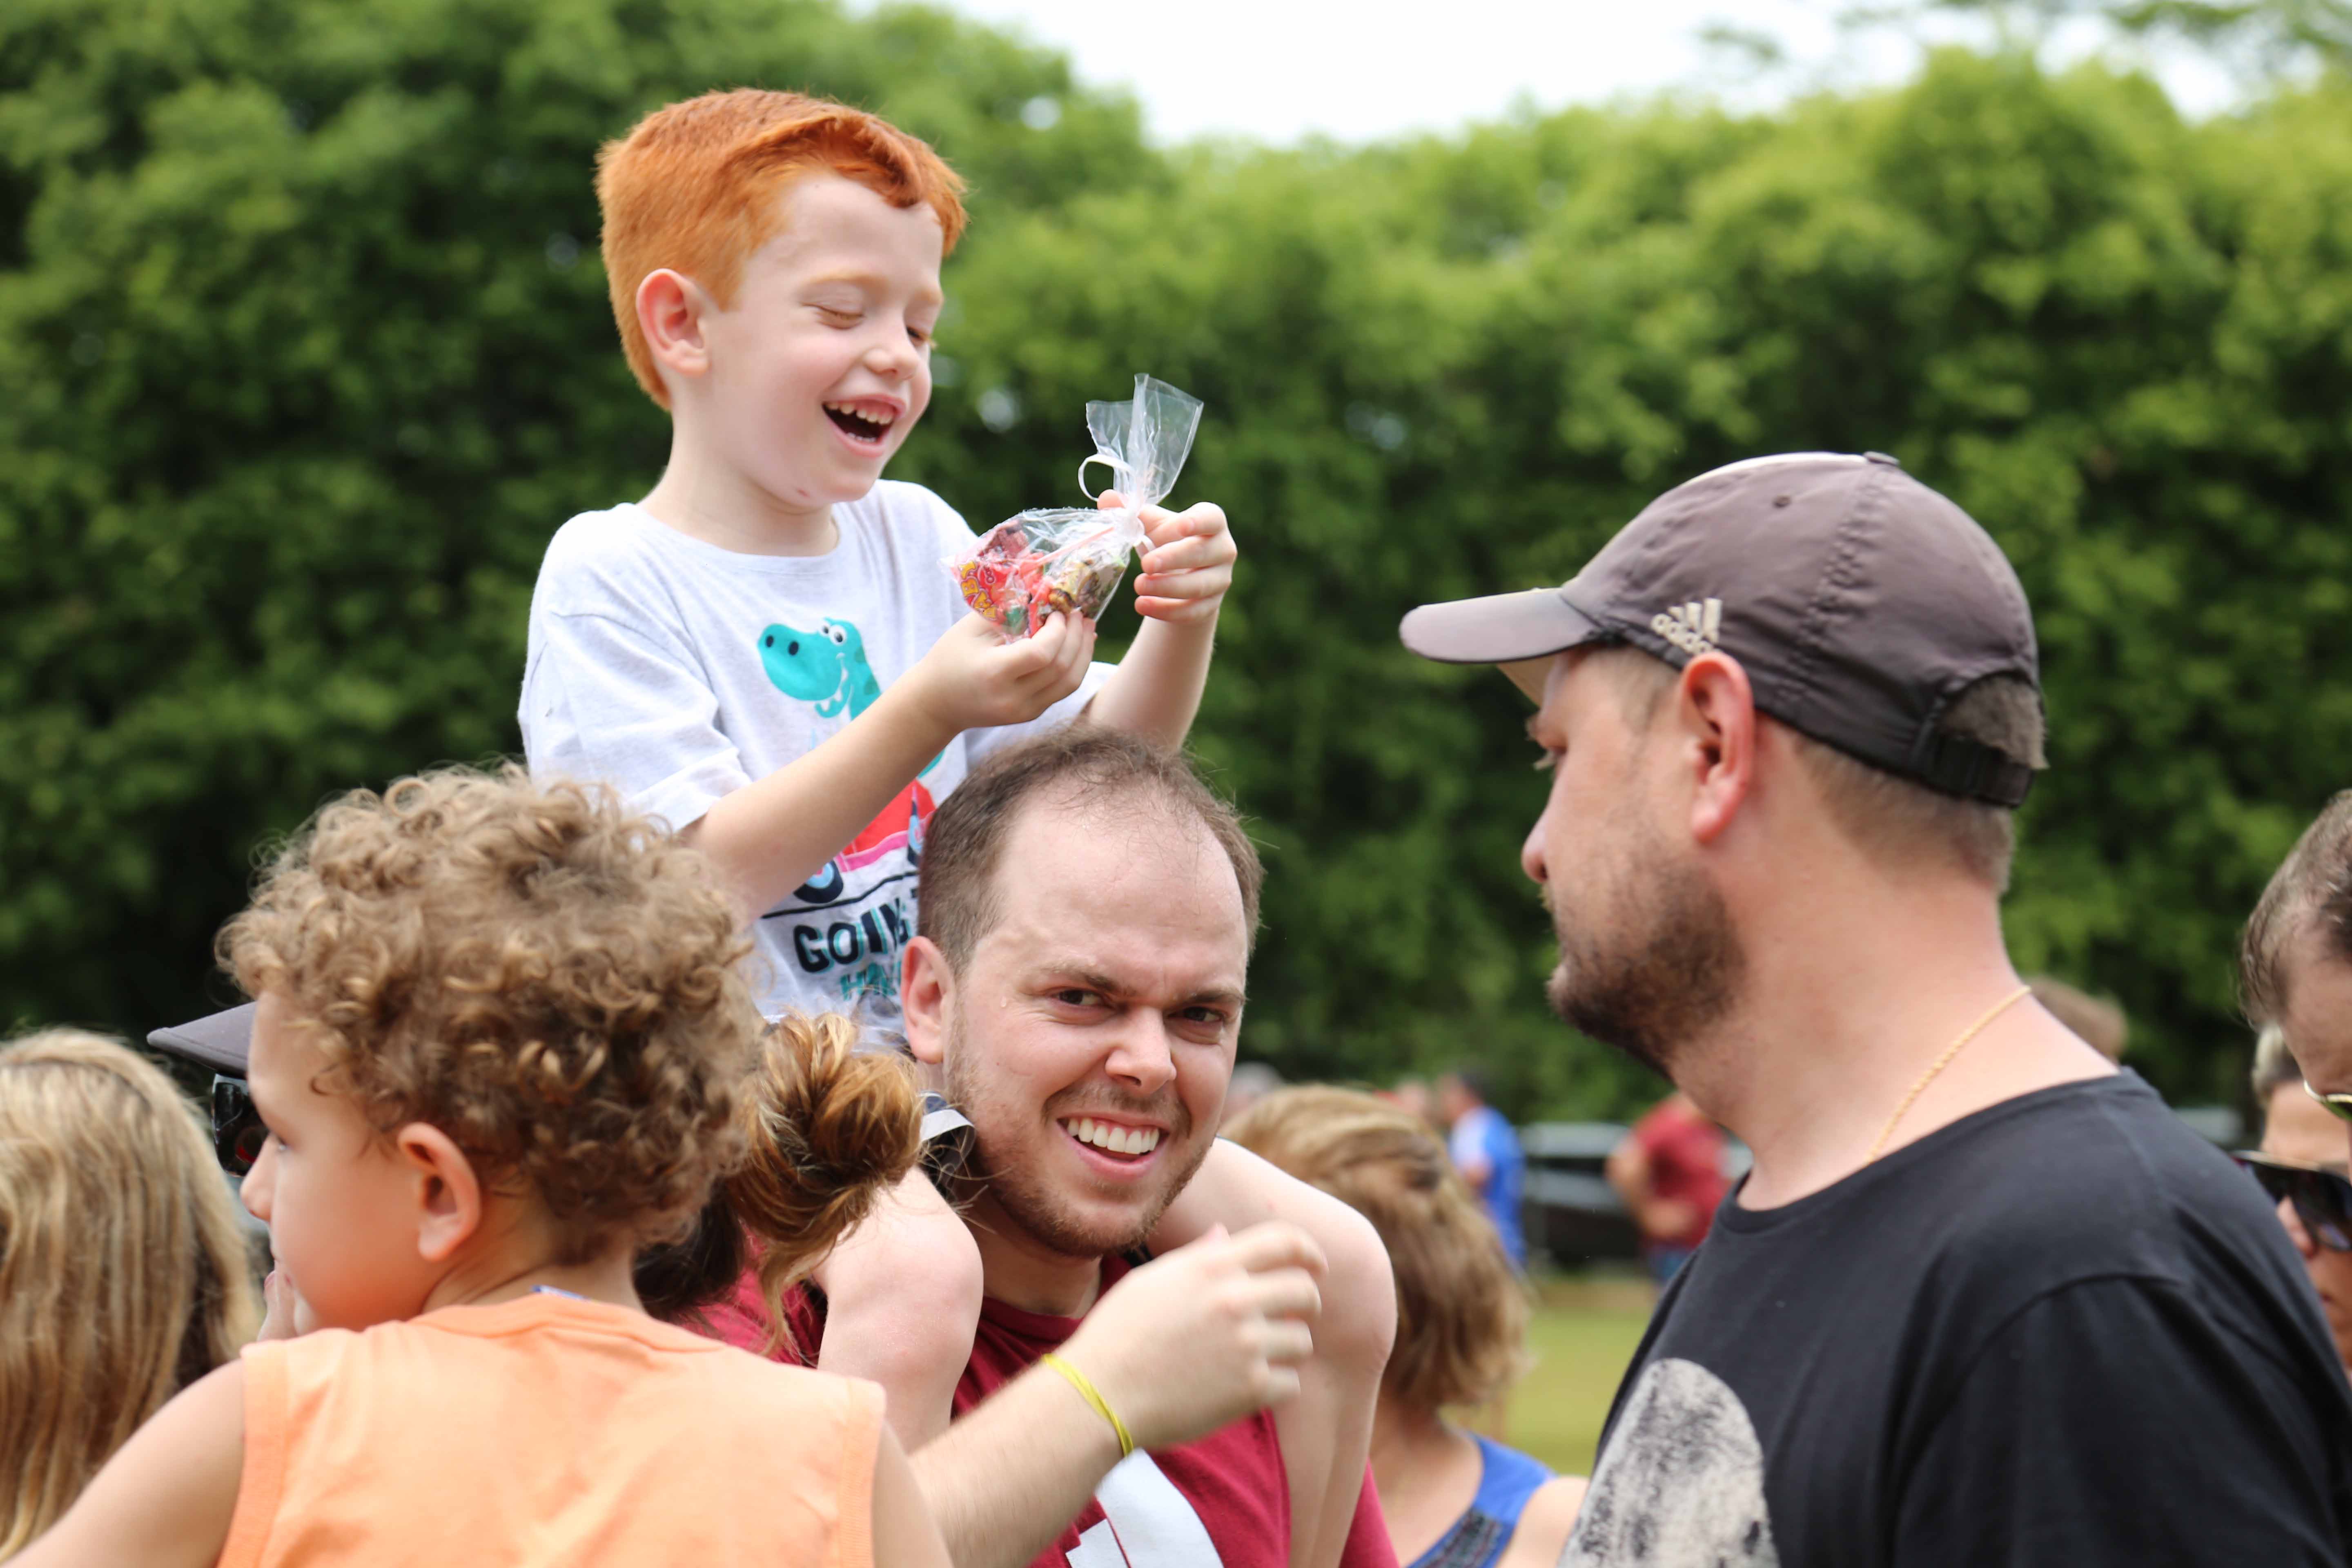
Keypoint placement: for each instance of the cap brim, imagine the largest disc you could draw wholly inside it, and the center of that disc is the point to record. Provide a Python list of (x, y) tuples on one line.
[(222, 1042), (1519, 632)]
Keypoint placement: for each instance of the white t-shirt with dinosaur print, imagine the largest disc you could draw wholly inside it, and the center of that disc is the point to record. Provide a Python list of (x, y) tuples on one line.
[(681, 672)]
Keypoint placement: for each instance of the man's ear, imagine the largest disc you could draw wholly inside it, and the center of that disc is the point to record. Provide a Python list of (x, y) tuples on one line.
[(670, 311), (1716, 707), (448, 1194), (926, 993)]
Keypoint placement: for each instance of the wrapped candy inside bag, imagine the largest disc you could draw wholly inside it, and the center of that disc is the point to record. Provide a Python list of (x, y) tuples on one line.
[(1070, 559)]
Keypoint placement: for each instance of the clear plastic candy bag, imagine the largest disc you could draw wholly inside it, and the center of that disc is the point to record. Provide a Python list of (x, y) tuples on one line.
[(1071, 558)]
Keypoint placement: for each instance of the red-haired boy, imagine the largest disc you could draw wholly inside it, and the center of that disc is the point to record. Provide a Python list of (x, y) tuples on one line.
[(768, 653)]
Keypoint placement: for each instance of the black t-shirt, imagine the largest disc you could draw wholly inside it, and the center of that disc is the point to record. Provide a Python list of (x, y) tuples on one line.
[(2064, 1329)]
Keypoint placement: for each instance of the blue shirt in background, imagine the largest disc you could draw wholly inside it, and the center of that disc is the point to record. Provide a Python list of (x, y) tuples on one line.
[(1483, 1139)]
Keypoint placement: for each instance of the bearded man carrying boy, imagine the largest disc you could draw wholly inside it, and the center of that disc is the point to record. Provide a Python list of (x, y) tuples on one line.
[(1088, 907), (1983, 1300)]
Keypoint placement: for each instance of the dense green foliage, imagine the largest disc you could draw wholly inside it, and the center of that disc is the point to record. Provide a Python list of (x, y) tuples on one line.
[(306, 355)]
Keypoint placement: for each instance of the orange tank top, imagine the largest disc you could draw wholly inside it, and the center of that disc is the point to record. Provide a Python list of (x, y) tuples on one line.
[(548, 1430)]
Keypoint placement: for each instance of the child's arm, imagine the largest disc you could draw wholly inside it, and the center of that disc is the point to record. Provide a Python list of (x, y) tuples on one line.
[(905, 1535), (775, 833), (902, 1301), (1186, 569), (1327, 1432), (165, 1500)]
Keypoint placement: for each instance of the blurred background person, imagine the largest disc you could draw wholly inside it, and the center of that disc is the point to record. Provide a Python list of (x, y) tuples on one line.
[(1452, 1498), (1251, 1081), (2301, 1164), (1485, 1151), (123, 1272), (1669, 1172), (2093, 1019), (1413, 1097)]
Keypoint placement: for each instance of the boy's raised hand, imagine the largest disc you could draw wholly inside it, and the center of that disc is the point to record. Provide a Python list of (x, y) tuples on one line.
[(974, 679), (1188, 562)]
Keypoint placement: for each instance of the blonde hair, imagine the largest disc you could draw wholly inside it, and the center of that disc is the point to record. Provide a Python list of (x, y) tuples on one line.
[(2095, 1020), (2275, 1068), (123, 1274), (550, 980), (2310, 891), (694, 187), (1461, 1311)]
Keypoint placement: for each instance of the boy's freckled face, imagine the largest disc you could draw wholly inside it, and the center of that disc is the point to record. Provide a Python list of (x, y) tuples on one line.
[(339, 1207), (821, 364)]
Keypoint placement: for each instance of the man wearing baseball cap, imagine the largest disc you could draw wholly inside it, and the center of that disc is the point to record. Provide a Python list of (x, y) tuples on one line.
[(1983, 1300)]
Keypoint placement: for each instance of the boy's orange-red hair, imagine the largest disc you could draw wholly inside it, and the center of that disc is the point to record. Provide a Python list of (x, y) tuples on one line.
[(694, 187)]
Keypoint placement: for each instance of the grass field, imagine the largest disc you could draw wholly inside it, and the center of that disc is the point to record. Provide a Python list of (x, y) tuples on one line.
[(1583, 1334)]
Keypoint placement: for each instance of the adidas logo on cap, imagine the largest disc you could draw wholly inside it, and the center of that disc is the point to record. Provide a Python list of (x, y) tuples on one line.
[(1691, 627)]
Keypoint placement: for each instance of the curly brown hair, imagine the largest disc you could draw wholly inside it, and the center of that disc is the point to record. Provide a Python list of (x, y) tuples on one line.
[(550, 980)]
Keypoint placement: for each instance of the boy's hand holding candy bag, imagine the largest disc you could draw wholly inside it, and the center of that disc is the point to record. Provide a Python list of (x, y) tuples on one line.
[(1068, 560), (1187, 563)]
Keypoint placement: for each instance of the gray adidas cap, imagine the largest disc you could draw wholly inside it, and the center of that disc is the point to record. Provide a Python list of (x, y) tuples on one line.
[(1860, 603)]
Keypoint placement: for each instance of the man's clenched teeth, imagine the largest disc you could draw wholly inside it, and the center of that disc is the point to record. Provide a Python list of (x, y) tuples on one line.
[(1112, 1139), (857, 422)]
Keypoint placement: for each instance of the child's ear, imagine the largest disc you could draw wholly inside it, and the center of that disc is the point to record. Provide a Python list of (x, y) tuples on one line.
[(670, 308), (926, 993), (448, 1193)]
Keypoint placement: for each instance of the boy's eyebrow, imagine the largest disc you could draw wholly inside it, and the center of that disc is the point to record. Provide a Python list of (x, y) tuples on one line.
[(852, 276)]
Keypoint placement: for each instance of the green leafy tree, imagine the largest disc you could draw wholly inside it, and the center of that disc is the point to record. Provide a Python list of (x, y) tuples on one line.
[(1454, 366), (307, 355)]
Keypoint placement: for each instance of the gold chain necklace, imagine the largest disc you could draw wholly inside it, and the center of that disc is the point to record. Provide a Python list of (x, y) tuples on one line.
[(1971, 1033)]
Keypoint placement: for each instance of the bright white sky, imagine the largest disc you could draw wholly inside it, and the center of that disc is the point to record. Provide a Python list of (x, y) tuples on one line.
[(1275, 71)]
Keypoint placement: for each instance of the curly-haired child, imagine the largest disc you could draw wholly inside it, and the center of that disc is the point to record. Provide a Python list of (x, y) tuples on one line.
[(123, 1271), (502, 1043)]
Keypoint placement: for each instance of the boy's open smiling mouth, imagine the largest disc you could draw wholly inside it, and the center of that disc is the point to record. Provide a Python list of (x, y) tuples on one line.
[(866, 421)]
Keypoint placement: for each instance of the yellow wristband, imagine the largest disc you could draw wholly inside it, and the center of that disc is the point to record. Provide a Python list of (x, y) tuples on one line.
[(1086, 1391)]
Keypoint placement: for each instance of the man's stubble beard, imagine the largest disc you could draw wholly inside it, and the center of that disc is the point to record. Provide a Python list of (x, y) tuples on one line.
[(1029, 1202), (1661, 962)]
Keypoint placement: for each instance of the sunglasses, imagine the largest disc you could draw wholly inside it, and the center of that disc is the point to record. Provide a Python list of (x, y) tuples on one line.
[(238, 1131), (2339, 1105), (2322, 1199)]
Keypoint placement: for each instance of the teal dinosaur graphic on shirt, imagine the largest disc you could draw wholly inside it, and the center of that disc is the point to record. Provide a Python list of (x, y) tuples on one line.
[(827, 667)]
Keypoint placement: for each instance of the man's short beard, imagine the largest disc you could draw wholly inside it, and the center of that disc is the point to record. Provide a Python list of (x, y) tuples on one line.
[(1661, 964), (1028, 1201)]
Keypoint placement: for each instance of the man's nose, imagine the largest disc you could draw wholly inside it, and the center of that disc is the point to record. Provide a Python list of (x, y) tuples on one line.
[(1143, 1056), (1531, 853)]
